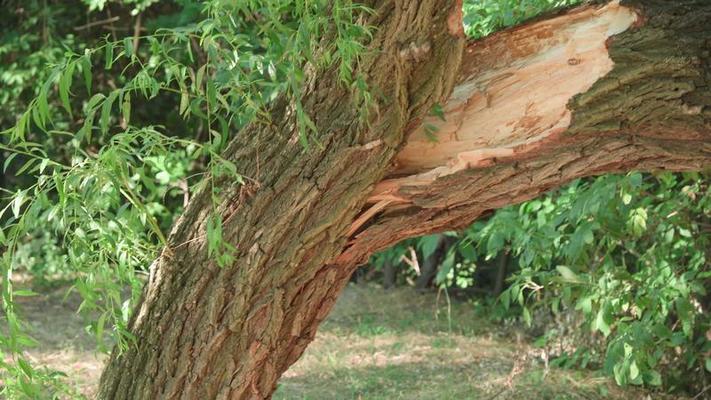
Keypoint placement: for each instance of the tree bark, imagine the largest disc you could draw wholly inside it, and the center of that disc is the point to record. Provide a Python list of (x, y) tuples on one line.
[(602, 88)]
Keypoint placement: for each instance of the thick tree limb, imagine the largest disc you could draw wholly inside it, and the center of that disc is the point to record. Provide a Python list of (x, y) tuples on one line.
[(541, 104)]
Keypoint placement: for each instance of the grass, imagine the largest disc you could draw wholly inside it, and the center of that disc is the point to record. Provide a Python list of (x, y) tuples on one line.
[(376, 344), (403, 345)]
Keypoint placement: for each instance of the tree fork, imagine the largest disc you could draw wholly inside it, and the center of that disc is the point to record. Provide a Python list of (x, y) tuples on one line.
[(601, 88)]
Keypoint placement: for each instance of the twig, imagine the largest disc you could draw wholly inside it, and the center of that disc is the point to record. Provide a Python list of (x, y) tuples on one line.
[(112, 28), (95, 23), (701, 392), (136, 33), (497, 394), (412, 261)]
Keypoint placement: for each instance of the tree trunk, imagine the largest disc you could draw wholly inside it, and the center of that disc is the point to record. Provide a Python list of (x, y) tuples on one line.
[(432, 263), (389, 275), (502, 266), (526, 110)]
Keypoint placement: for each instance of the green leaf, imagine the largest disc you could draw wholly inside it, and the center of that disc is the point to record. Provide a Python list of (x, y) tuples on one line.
[(568, 274), (495, 243), (25, 367), (7, 162), (601, 321), (467, 251), (109, 54), (505, 299), (619, 374), (106, 111), (128, 46), (653, 378), (428, 244), (211, 95), (637, 222), (86, 71), (626, 198), (527, 316), (584, 305), (86, 130), (42, 104), (26, 166), (126, 108), (65, 84), (445, 267), (214, 234), (17, 203), (21, 126), (634, 371), (94, 101), (37, 117), (431, 132), (685, 313), (199, 78), (184, 103), (43, 165)]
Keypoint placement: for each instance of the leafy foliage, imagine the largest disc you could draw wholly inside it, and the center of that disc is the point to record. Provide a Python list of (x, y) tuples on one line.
[(484, 17), (628, 254)]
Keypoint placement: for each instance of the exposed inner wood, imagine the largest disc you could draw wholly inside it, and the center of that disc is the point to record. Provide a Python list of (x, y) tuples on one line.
[(512, 94)]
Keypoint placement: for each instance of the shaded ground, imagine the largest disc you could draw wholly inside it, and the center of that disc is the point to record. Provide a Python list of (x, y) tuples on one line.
[(64, 344), (375, 345), (404, 345)]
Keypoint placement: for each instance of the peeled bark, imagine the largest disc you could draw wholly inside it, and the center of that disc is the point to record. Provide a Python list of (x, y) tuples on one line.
[(602, 88)]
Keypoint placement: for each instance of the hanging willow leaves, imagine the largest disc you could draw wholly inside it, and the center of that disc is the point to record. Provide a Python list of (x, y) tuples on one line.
[(101, 193)]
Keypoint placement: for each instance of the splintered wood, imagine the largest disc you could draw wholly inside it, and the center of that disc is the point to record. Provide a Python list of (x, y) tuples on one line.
[(512, 96)]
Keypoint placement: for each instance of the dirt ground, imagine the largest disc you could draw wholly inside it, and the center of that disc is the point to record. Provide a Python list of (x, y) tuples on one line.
[(375, 345)]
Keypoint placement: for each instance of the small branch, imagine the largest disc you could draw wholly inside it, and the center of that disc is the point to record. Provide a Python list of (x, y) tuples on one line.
[(701, 392), (112, 28), (95, 23), (412, 261), (136, 33)]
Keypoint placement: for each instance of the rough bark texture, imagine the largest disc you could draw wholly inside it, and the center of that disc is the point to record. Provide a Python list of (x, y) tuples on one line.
[(307, 218), (205, 332)]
